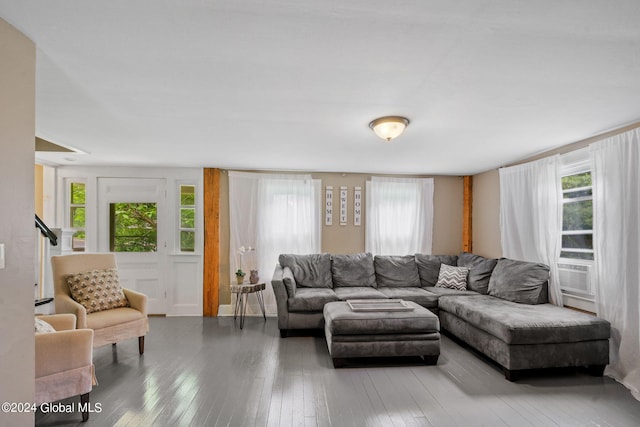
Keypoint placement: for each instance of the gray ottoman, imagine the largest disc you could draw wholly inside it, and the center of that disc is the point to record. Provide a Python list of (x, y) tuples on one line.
[(381, 333)]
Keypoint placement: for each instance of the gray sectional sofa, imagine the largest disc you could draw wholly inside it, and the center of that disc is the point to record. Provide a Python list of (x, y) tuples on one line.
[(503, 312)]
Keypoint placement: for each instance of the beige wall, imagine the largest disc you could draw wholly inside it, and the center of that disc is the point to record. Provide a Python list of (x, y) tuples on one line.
[(344, 239), (486, 198), (486, 215), (39, 190), (336, 238), (447, 221), (17, 136), (224, 293), (447, 215)]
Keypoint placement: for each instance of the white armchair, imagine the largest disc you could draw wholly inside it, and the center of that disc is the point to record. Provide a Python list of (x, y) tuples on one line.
[(109, 326), (64, 362)]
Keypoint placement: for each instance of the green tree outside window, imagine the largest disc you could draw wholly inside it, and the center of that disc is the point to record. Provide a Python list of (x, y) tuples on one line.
[(187, 219), (134, 227)]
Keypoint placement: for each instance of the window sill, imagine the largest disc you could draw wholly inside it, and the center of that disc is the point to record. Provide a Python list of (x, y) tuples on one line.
[(580, 303)]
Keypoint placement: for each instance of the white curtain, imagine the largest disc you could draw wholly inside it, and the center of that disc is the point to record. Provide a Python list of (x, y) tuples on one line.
[(399, 216), (272, 214), (616, 190), (531, 216)]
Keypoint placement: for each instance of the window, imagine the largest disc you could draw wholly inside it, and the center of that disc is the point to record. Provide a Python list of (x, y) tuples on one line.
[(187, 225), (399, 216), (77, 214), (133, 227), (577, 216), (576, 255), (274, 213), (288, 218)]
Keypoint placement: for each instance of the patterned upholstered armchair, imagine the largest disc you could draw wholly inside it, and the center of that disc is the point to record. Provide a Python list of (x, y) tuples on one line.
[(87, 285)]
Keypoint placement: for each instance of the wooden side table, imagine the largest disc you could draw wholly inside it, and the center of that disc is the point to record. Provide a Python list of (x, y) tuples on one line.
[(242, 293)]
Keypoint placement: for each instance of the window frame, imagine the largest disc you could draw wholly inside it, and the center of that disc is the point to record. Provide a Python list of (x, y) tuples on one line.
[(179, 208), (113, 236), (577, 163), (581, 232), (70, 205)]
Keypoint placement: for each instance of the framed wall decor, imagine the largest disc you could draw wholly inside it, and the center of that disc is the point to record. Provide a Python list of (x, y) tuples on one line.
[(357, 206), (328, 205), (343, 205)]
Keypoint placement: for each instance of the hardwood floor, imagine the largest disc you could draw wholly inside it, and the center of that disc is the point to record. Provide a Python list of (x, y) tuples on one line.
[(208, 372)]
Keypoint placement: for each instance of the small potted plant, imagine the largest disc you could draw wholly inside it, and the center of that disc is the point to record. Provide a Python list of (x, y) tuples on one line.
[(240, 276)]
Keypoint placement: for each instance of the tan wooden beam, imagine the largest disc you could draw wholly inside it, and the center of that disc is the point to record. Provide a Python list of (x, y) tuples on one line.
[(467, 214), (211, 258)]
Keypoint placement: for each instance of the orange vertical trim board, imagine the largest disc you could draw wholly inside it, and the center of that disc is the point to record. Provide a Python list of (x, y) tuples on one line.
[(211, 258), (467, 214)]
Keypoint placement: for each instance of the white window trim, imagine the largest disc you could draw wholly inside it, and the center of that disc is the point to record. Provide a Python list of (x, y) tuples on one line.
[(575, 163), (179, 228), (69, 205)]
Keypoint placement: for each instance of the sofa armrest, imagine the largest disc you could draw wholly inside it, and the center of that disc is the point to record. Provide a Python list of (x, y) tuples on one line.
[(136, 300), (280, 292), (63, 351), (60, 322), (66, 304)]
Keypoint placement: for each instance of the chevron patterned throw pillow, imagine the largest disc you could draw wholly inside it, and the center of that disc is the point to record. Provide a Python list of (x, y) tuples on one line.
[(452, 277)]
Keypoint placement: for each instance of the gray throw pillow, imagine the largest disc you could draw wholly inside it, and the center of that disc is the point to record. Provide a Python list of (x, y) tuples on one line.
[(452, 277), (309, 271), (353, 270), (396, 271), (520, 281), (429, 267), (480, 270), (289, 282)]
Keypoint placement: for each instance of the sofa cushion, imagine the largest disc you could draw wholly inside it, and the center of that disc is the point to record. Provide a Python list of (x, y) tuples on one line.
[(520, 281), (452, 277), (289, 282), (311, 299), (119, 317), (516, 323), (309, 271), (97, 290), (353, 270), (417, 295), (429, 266), (448, 291), (358, 292), (396, 271), (480, 269)]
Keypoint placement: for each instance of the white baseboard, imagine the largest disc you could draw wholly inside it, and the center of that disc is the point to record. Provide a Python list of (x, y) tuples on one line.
[(225, 310)]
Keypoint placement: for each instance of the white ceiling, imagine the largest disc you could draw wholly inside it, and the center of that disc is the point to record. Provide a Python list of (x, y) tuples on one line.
[(293, 84)]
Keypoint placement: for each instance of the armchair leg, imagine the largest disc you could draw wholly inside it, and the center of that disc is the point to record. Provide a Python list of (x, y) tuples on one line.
[(84, 404), (141, 345)]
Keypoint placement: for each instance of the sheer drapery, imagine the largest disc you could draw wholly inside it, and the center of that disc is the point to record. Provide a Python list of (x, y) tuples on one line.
[(531, 216), (616, 205), (273, 214), (399, 216)]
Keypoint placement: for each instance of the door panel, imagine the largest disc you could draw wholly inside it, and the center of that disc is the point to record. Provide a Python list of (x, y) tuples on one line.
[(140, 271)]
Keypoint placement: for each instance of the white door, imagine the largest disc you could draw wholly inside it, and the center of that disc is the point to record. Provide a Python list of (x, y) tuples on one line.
[(132, 224)]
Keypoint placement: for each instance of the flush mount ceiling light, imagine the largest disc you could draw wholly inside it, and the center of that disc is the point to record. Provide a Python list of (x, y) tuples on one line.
[(389, 127)]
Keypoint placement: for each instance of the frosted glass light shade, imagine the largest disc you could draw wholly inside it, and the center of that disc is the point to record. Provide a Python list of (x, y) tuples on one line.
[(389, 127)]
